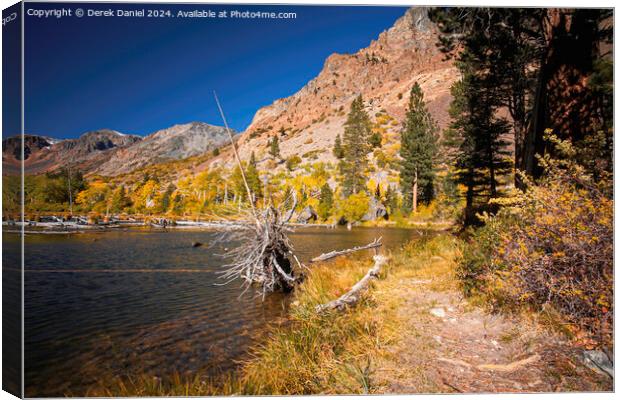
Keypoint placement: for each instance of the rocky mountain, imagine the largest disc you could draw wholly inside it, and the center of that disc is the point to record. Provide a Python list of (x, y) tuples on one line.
[(111, 153), (383, 73), (306, 122), (32, 144), (43, 154), (175, 143)]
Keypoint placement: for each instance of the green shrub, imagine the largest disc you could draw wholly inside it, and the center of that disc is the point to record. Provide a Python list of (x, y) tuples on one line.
[(293, 162)]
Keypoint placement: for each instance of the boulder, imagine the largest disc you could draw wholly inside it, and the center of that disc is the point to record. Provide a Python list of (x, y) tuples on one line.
[(307, 215), (376, 210), (599, 361), (439, 312)]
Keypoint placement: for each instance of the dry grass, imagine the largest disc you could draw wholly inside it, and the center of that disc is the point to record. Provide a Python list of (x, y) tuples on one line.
[(337, 353), (328, 353)]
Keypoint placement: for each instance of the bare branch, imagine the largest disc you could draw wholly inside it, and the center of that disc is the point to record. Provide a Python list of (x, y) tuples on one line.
[(332, 254)]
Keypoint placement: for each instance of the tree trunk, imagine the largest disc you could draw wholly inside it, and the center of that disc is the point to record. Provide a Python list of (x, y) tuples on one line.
[(562, 101), (492, 183), (354, 295), (534, 143), (469, 197), (517, 104), (519, 132), (70, 195), (326, 256), (414, 195)]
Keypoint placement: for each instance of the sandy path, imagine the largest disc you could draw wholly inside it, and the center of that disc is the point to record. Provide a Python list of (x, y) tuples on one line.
[(453, 346)]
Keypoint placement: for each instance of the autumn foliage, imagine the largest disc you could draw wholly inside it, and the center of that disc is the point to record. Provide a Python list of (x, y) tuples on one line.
[(550, 247)]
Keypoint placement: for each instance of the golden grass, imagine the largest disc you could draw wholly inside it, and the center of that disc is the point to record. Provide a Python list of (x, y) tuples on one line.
[(331, 353)]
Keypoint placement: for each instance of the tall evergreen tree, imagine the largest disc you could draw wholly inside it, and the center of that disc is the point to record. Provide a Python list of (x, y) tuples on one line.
[(287, 198), (274, 147), (375, 140), (119, 200), (418, 151), (355, 148), (326, 202), (252, 177), (337, 150), (166, 198), (475, 143)]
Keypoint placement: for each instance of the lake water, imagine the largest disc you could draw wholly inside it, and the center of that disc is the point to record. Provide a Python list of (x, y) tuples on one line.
[(100, 305)]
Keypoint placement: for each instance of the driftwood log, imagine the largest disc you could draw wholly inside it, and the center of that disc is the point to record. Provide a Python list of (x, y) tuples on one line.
[(351, 297), (332, 254)]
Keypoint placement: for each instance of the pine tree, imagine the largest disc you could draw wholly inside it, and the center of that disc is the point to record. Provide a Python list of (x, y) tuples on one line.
[(531, 58), (475, 144), (326, 202), (274, 147), (355, 148), (252, 177), (166, 198), (418, 151), (378, 192), (287, 198), (338, 151)]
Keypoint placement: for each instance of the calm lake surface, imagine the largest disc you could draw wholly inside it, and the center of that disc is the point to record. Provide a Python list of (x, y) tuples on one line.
[(99, 305)]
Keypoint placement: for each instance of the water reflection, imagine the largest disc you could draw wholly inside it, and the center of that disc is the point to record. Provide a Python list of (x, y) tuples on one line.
[(104, 304)]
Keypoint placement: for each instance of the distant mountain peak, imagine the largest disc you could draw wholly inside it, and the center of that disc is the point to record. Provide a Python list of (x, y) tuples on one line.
[(110, 152), (174, 143)]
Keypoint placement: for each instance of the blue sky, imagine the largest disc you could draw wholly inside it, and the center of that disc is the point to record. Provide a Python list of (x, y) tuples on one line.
[(139, 75)]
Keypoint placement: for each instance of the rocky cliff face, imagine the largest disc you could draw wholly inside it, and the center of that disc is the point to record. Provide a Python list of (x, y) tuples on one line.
[(383, 73)]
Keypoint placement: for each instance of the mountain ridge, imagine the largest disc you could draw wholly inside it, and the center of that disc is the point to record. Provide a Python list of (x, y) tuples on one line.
[(177, 142), (108, 152)]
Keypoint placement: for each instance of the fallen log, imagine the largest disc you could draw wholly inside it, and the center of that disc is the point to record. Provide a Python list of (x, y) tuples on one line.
[(353, 296), (336, 253)]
